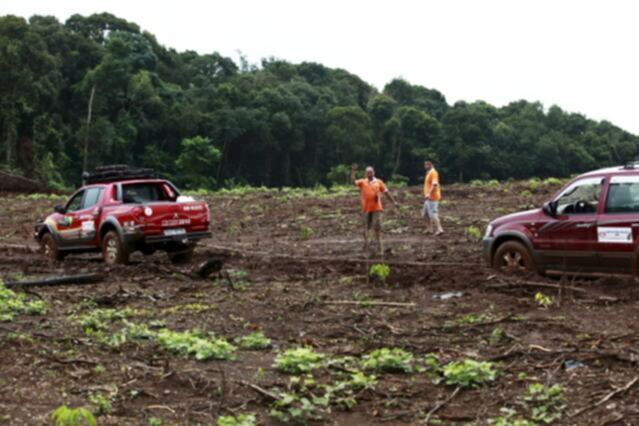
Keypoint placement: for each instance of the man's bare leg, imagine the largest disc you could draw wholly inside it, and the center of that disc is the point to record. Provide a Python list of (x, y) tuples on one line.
[(378, 237), (366, 233), (429, 226), (438, 225)]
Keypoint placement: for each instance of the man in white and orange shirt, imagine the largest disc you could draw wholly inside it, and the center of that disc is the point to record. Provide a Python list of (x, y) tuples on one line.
[(370, 189), (432, 194)]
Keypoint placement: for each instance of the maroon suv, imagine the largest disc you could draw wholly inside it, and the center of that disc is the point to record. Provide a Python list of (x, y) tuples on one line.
[(590, 225)]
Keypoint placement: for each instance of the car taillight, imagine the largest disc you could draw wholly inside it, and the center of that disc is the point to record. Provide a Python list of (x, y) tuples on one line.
[(208, 213)]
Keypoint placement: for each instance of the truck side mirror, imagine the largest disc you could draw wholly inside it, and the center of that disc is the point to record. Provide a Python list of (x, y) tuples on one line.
[(59, 209)]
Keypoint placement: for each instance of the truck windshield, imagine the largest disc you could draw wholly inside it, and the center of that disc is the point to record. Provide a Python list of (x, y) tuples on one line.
[(144, 193)]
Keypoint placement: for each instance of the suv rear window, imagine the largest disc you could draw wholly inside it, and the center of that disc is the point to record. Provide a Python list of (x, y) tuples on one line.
[(143, 193), (623, 195)]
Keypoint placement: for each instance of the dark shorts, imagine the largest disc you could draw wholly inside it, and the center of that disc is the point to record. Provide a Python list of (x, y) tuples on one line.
[(373, 220)]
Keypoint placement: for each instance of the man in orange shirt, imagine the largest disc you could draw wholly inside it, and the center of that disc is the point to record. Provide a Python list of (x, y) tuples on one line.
[(432, 193), (370, 189)]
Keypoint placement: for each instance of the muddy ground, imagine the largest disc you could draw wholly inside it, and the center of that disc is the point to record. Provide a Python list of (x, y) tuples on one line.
[(290, 258)]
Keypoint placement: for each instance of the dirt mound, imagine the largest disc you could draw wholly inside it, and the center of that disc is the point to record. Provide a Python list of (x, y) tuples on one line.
[(18, 184)]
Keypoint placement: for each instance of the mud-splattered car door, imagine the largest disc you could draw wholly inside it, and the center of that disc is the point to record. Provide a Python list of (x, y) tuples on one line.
[(65, 225), (88, 217)]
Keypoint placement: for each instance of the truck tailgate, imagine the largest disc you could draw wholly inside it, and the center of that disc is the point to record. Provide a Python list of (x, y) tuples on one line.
[(174, 218)]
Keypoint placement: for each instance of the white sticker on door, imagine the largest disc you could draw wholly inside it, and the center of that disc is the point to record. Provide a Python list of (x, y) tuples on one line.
[(614, 235), (88, 226)]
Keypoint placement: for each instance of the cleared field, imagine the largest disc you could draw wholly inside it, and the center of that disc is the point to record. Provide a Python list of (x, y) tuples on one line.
[(128, 348)]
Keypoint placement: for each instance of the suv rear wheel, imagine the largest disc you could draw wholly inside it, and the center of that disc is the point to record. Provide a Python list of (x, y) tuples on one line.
[(50, 248), (513, 257), (113, 249)]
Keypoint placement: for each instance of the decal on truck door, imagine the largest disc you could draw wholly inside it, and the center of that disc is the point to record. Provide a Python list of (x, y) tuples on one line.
[(614, 235)]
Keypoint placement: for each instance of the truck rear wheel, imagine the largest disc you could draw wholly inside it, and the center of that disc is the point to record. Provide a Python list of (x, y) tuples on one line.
[(49, 248), (513, 257), (113, 249)]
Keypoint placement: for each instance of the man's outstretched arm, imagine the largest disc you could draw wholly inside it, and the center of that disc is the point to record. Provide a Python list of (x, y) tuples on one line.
[(390, 197), (353, 170)]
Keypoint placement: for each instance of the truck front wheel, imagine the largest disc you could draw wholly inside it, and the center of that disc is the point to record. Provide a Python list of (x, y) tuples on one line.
[(50, 249), (113, 249)]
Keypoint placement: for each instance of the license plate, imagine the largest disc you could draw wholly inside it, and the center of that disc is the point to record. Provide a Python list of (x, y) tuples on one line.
[(174, 231)]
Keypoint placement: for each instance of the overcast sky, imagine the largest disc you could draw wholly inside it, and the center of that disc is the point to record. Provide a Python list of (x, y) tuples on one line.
[(580, 55)]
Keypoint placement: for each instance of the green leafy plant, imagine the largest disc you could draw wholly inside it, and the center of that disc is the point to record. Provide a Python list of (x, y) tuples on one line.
[(155, 421), (497, 336), (541, 404), (247, 419), (255, 340), (473, 319), (534, 184), (552, 181), (485, 184), (65, 416), (12, 304), (543, 300), (306, 232), (191, 343), (298, 360), (394, 360), (99, 319), (293, 408), (101, 403), (510, 418), (547, 402), (472, 232), (469, 373), (359, 380), (379, 271), (431, 361)]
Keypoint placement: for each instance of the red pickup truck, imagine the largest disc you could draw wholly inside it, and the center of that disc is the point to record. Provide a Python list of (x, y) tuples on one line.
[(122, 216)]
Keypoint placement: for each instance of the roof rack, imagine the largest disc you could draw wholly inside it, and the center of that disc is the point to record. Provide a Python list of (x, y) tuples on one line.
[(631, 165), (117, 172)]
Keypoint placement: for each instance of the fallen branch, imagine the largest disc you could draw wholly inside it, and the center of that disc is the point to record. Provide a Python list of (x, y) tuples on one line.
[(57, 280), (369, 303), (441, 404), (606, 398), (537, 284), (259, 390), (549, 285), (160, 407)]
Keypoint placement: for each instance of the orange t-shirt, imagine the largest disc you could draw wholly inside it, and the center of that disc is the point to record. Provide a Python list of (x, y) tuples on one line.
[(370, 193), (432, 178)]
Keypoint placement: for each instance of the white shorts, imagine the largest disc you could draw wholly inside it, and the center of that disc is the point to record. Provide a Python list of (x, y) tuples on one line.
[(430, 209)]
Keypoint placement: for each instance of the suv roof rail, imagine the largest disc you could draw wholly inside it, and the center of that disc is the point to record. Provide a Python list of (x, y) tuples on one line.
[(117, 172)]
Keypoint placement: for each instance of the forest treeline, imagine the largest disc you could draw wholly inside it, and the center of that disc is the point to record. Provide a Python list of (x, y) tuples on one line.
[(97, 90)]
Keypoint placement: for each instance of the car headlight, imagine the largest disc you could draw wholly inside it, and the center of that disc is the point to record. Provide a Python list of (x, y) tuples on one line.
[(489, 231)]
